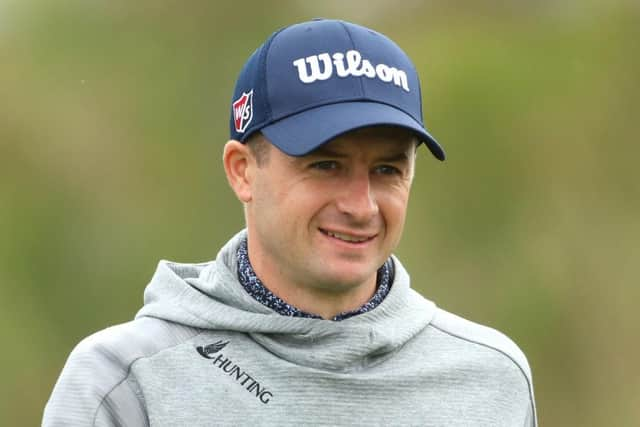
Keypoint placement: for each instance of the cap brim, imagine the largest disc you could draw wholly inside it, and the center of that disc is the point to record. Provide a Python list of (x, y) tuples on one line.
[(302, 133)]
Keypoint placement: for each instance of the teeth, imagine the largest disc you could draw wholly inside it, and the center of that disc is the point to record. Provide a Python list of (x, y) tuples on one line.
[(346, 237)]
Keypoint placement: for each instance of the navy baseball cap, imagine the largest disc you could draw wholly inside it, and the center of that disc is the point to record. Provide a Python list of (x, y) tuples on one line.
[(313, 81)]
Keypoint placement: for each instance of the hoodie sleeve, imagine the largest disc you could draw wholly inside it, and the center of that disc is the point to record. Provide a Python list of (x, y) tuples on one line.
[(531, 420), (95, 388)]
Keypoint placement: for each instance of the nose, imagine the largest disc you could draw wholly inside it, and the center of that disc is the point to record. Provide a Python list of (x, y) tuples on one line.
[(356, 198)]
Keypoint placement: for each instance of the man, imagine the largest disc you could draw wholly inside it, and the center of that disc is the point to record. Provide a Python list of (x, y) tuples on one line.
[(305, 317)]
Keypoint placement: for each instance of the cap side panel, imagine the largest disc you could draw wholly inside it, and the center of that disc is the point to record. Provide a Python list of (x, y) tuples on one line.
[(263, 70)]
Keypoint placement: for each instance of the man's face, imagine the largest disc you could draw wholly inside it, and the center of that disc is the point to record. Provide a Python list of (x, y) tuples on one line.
[(330, 219)]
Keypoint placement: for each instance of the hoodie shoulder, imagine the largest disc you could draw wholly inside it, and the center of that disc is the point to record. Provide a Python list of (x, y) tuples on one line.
[(96, 388), (468, 333), (471, 332)]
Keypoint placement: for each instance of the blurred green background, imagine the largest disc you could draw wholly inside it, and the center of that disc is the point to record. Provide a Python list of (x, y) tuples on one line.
[(113, 115)]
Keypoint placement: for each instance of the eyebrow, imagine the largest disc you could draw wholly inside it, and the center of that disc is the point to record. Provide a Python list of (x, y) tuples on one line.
[(399, 157)]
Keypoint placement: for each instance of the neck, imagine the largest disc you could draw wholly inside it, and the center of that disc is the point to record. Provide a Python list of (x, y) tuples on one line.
[(326, 300)]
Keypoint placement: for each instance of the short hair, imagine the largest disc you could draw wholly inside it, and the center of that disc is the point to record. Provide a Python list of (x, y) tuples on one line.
[(259, 147)]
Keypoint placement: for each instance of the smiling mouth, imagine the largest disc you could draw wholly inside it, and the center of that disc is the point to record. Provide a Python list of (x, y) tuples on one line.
[(349, 238)]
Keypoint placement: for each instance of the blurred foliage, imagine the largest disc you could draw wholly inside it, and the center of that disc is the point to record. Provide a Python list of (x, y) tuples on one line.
[(112, 119)]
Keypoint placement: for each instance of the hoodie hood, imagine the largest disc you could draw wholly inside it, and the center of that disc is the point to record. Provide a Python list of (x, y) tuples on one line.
[(209, 296)]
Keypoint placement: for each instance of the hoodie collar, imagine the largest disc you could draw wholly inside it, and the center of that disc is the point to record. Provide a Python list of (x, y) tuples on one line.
[(209, 296)]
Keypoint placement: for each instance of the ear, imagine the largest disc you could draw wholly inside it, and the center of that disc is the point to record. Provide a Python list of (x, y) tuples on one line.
[(238, 164)]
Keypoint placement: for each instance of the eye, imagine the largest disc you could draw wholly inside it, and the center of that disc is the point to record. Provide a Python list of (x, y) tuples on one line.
[(387, 170), (325, 165)]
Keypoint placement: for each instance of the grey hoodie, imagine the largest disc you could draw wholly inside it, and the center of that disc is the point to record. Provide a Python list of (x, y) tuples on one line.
[(203, 352)]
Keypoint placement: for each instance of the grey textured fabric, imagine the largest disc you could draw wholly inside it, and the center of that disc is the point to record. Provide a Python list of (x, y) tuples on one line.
[(203, 352)]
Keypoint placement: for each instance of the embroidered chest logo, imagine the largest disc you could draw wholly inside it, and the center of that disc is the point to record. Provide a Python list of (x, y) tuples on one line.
[(243, 111), (211, 348), (239, 375), (321, 67)]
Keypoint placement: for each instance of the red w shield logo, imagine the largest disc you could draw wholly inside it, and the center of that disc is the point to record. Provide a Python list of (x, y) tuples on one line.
[(243, 111)]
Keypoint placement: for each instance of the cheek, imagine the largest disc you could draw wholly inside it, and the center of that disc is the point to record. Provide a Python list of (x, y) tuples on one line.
[(305, 200), (265, 207), (394, 217), (393, 203), (396, 212), (294, 203)]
